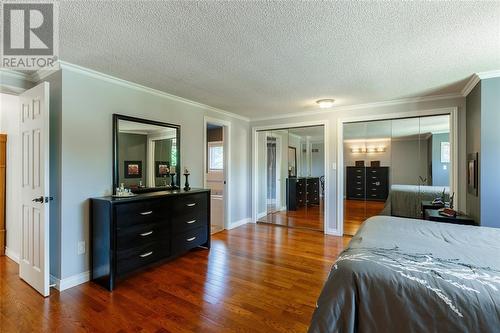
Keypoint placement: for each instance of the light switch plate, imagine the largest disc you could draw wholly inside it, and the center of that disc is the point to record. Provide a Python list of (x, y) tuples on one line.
[(81, 247)]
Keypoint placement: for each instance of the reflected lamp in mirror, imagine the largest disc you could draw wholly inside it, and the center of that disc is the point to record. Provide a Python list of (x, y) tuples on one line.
[(369, 150), (145, 155)]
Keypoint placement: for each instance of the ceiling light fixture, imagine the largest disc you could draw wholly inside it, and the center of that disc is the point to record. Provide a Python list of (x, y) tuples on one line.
[(325, 103)]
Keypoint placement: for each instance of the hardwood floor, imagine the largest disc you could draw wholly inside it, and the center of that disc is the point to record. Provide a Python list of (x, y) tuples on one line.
[(357, 211), (311, 217), (256, 278)]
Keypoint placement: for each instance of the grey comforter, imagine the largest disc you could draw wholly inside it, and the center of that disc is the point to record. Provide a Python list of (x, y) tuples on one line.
[(405, 200), (405, 275)]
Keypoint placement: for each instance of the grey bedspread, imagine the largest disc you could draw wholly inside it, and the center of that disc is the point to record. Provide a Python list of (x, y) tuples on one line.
[(405, 200), (405, 275)]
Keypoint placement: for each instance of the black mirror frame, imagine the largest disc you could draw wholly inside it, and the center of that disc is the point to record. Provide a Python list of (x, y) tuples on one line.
[(116, 118)]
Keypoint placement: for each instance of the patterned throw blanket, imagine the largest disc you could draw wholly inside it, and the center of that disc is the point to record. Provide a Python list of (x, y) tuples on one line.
[(402, 275)]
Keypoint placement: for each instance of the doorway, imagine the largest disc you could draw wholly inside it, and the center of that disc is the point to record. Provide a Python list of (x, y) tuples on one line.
[(290, 177), (25, 120), (217, 134)]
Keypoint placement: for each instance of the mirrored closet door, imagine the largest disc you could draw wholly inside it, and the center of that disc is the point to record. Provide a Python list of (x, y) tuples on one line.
[(394, 167), (290, 177)]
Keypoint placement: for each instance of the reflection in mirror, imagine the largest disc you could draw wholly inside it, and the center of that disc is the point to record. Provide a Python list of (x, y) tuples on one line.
[(147, 155), (290, 177), (394, 167)]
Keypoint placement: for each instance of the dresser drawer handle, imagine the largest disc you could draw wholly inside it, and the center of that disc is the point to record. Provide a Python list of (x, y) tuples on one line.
[(191, 239), (147, 213), (191, 222), (191, 204), (146, 254), (146, 233)]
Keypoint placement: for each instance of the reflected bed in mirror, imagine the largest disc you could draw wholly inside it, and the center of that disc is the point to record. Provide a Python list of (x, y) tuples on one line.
[(146, 155)]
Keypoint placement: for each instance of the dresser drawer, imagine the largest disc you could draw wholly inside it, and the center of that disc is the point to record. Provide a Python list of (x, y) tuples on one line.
[(189, 239), (144, 212), (188, 221), (141, 234), (139, 256), (376, 196), (189, 203)]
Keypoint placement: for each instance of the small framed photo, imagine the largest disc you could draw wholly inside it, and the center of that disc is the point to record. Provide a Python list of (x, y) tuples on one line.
[(133, 169), (162, 168)]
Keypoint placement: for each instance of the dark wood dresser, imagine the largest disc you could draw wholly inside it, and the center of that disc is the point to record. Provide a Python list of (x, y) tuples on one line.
[(301, 192), (128, 234), (367, 183)]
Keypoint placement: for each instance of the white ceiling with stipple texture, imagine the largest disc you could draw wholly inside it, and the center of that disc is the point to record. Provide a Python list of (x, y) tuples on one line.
[(265, 58)]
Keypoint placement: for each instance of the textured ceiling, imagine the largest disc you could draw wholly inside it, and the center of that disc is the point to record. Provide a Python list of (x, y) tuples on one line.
[(264, 58)]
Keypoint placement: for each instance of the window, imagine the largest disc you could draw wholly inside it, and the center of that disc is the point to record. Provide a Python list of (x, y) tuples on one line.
[(173, 152), (215, 156)]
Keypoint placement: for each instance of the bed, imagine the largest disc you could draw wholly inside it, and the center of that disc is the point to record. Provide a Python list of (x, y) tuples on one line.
[(406, 275), (405, 200)]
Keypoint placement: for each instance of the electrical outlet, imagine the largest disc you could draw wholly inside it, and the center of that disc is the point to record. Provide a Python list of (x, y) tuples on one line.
[(81, 247)]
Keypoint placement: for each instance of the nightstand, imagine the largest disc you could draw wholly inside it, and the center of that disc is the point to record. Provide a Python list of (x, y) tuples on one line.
[(427, 204), (433, 215)]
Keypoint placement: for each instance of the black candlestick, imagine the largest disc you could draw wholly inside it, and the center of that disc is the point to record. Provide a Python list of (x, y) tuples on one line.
[(186, 185), (172, 181)]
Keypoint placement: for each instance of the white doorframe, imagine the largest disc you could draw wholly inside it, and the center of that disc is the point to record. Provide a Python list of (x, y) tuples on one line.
[(256, 129), (452, 111), (226, 136), (277, 193)]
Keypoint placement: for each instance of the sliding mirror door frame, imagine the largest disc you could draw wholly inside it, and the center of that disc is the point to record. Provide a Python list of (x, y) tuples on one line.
[(451, 111), (327, 229)]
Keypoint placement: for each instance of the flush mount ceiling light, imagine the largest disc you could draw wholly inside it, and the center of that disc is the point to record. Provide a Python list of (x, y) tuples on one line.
[(325, 103)]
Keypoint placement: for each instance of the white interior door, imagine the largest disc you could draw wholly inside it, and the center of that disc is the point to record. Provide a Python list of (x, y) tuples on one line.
[(34, 258)]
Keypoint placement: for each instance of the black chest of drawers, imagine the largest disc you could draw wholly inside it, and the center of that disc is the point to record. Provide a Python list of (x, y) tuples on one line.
[(128, 234), (302, 192), (367, 183)]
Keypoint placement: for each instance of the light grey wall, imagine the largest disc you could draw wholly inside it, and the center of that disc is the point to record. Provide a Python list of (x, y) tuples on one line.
[(490, 152), (55, 87), (474, 143), (332, 119), (88, 103), (318, 160), (409, 160), (440, 171)]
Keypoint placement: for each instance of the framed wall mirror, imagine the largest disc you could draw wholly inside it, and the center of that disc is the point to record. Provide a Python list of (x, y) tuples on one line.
[(146, 154)]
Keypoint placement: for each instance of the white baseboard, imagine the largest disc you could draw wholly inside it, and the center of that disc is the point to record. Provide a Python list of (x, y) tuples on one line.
[(69, 282), (239, 223), (12, 255), (333, 232)]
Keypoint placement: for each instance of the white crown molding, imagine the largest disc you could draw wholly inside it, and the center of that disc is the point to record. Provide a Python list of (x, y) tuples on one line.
[(41, 74), (470, 85), (362, 106), (14, 74), (488, 74), (109, 78), (475, 78)]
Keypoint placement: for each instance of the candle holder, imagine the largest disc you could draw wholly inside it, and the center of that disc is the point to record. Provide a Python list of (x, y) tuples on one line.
[(186, 185), (172, 181)]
